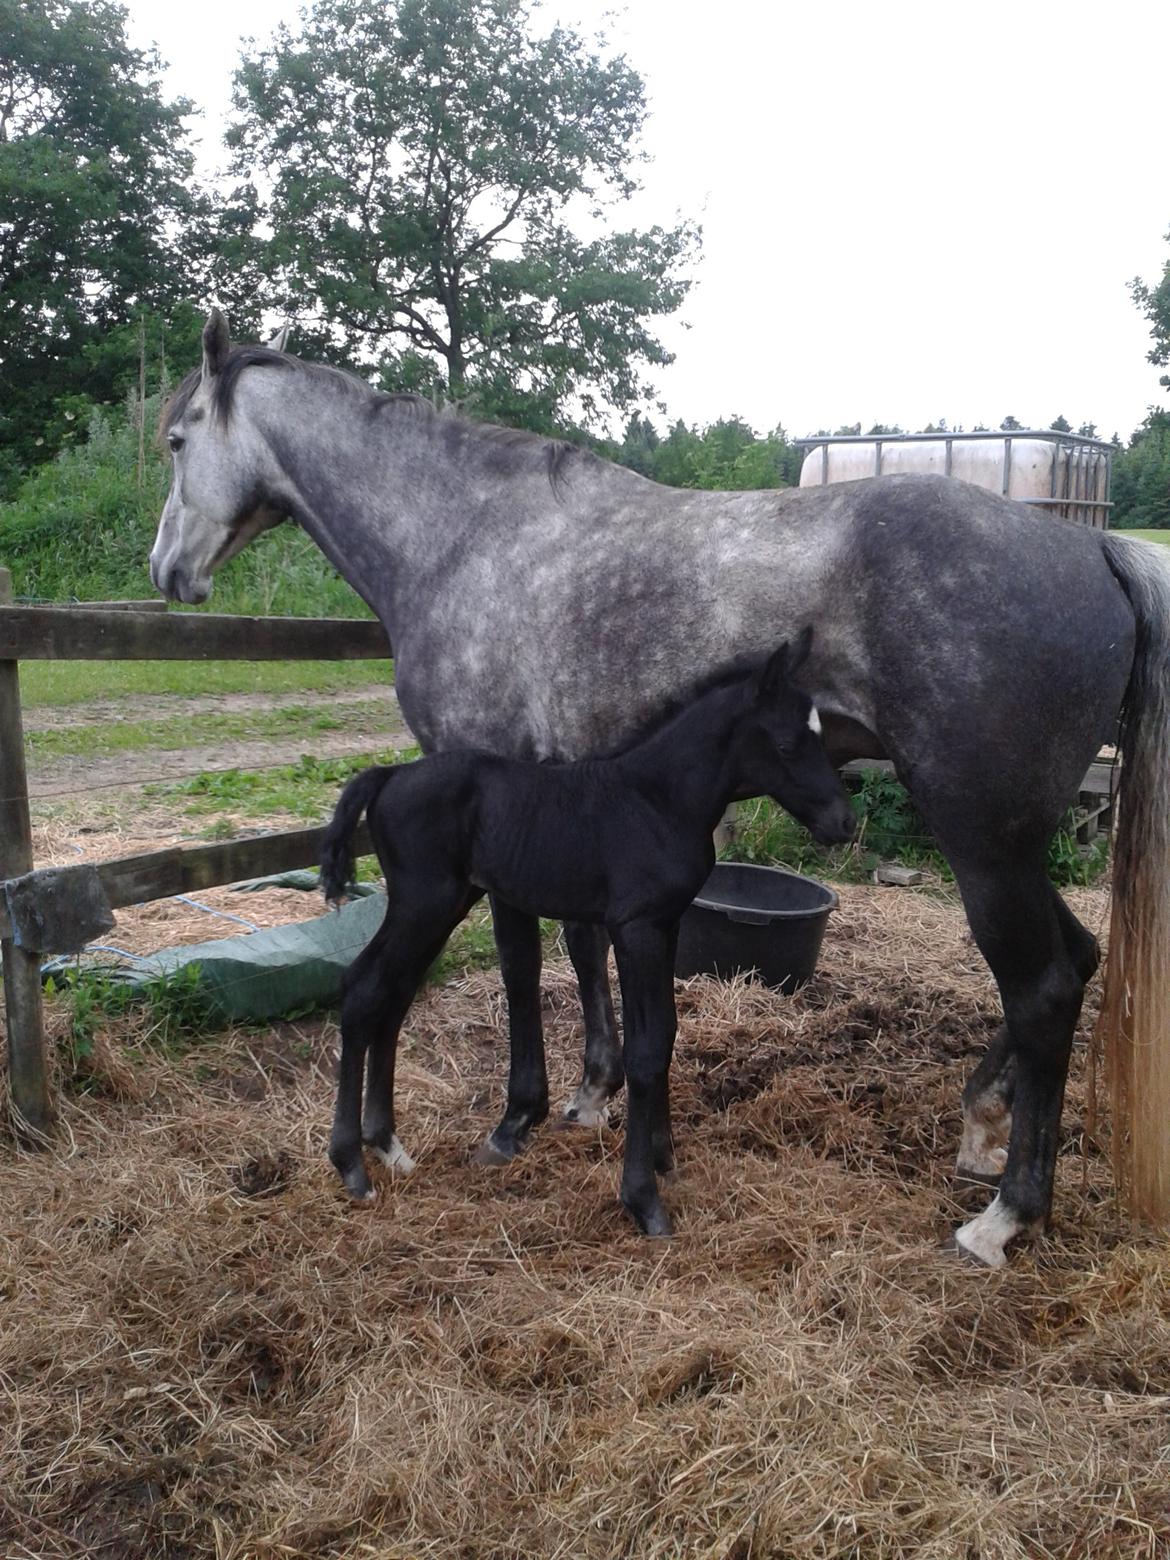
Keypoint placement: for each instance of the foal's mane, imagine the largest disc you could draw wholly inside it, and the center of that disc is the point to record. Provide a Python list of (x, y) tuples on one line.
[(737, 671), (511, 447)]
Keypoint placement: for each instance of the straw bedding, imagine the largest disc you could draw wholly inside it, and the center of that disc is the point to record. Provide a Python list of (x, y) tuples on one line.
[(206, 1352)]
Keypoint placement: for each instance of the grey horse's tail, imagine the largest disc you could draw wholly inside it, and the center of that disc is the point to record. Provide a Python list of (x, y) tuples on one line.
[(337, 846), (1134, 1027)]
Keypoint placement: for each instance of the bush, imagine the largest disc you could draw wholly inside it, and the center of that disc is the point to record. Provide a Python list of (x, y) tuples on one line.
[(889, 829), (82, 526)]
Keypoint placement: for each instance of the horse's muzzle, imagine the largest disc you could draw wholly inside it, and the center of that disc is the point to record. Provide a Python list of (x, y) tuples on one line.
[(176, 585)]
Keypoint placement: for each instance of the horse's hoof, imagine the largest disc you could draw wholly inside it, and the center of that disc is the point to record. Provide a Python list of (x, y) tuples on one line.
[(493, 1152), (964, 1179), (952, 1247)]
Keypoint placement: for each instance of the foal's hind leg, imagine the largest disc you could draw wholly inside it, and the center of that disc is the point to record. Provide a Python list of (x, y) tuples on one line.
[(379, 988), (518, 941), (987, 1098), (645, 960), (1026, 940), (603, 1075)]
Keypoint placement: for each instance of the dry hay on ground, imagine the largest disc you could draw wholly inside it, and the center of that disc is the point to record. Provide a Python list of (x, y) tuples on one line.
[(206, 1352)]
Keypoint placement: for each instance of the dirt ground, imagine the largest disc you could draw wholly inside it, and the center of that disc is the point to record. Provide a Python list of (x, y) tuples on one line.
[(87, 784), (207, 1352)]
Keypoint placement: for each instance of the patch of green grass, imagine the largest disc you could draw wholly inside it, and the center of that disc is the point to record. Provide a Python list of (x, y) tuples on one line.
[(1147, 536), (307, 789), (185, 731), (78, 682), (179, 1013)]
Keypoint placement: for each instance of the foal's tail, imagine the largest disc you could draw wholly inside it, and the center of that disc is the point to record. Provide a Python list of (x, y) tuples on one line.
[(337, 846), (1134, 1026)]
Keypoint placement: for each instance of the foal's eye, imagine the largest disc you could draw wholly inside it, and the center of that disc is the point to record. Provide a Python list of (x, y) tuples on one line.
[(176, 441)]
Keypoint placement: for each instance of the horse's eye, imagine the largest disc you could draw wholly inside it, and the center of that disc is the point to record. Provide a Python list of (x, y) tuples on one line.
[(176, 441)]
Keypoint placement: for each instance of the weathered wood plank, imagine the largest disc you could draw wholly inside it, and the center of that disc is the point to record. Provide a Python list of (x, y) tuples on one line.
[(27, 1070), (159, 874), (80, 634), (1100, 777), (892, 874), (148, 605)]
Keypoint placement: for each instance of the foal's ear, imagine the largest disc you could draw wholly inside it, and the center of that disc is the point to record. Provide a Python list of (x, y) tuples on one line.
[(216, 344), (798, 655), (279, 342), (782, 663)]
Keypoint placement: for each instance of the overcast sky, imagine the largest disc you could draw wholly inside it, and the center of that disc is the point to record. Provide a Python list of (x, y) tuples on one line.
[(910, 211)]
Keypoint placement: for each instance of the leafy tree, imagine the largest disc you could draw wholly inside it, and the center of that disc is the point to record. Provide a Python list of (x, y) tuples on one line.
[(426, 158), (94, 188), (1060, 424), (726, 455), (1154, 302), (639, 445), (1010, 424), (1141, 476)]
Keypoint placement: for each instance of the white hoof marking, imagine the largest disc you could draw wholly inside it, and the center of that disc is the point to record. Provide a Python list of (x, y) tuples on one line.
[(986, 1235), (395, 1157), (587, 1108), (983, 1145)]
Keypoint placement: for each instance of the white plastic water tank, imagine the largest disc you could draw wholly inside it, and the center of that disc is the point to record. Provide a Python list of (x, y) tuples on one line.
[(1069, 476)]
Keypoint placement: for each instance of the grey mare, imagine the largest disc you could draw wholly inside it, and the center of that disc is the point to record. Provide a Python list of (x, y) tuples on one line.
[(543, 603)]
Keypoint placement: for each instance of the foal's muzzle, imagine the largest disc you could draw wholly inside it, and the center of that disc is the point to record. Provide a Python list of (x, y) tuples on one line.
[(834, 825)]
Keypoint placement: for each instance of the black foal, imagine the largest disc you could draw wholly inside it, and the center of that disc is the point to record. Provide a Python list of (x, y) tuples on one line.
[(623, 841)]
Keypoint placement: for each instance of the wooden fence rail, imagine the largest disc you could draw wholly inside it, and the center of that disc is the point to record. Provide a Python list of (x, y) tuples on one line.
[(123, 631)]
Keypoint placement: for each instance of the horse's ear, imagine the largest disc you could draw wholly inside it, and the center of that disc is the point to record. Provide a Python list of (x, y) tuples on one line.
[(279, 342), (216, 344)]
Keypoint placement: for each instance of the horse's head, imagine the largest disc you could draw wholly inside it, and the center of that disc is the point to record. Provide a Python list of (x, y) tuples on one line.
[(219, 498), (782, 754)]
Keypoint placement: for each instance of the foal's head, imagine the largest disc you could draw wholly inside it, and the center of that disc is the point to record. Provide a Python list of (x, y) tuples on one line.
[(780, 752)]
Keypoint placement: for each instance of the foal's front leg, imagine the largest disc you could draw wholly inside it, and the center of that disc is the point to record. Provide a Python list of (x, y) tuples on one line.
[(518, 942), (645, 960)]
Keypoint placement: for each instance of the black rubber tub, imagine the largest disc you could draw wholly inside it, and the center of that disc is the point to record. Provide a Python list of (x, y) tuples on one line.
[(755, 920)]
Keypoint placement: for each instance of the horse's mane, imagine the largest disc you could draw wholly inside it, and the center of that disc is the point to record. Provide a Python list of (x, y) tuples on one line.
[(516, 442)]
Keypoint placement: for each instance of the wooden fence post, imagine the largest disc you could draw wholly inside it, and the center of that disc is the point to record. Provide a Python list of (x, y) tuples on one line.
[(27, 1072)]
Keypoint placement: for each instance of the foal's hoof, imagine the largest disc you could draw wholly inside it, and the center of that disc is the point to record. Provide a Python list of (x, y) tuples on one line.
[(495, 1151), (588, 1106), (394, 1156), (579, 1113), (357, 1184), (653, 1220)]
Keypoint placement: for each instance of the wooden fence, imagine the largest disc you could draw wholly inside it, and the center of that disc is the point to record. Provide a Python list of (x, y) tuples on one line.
[(130, 631), (115, 632)]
